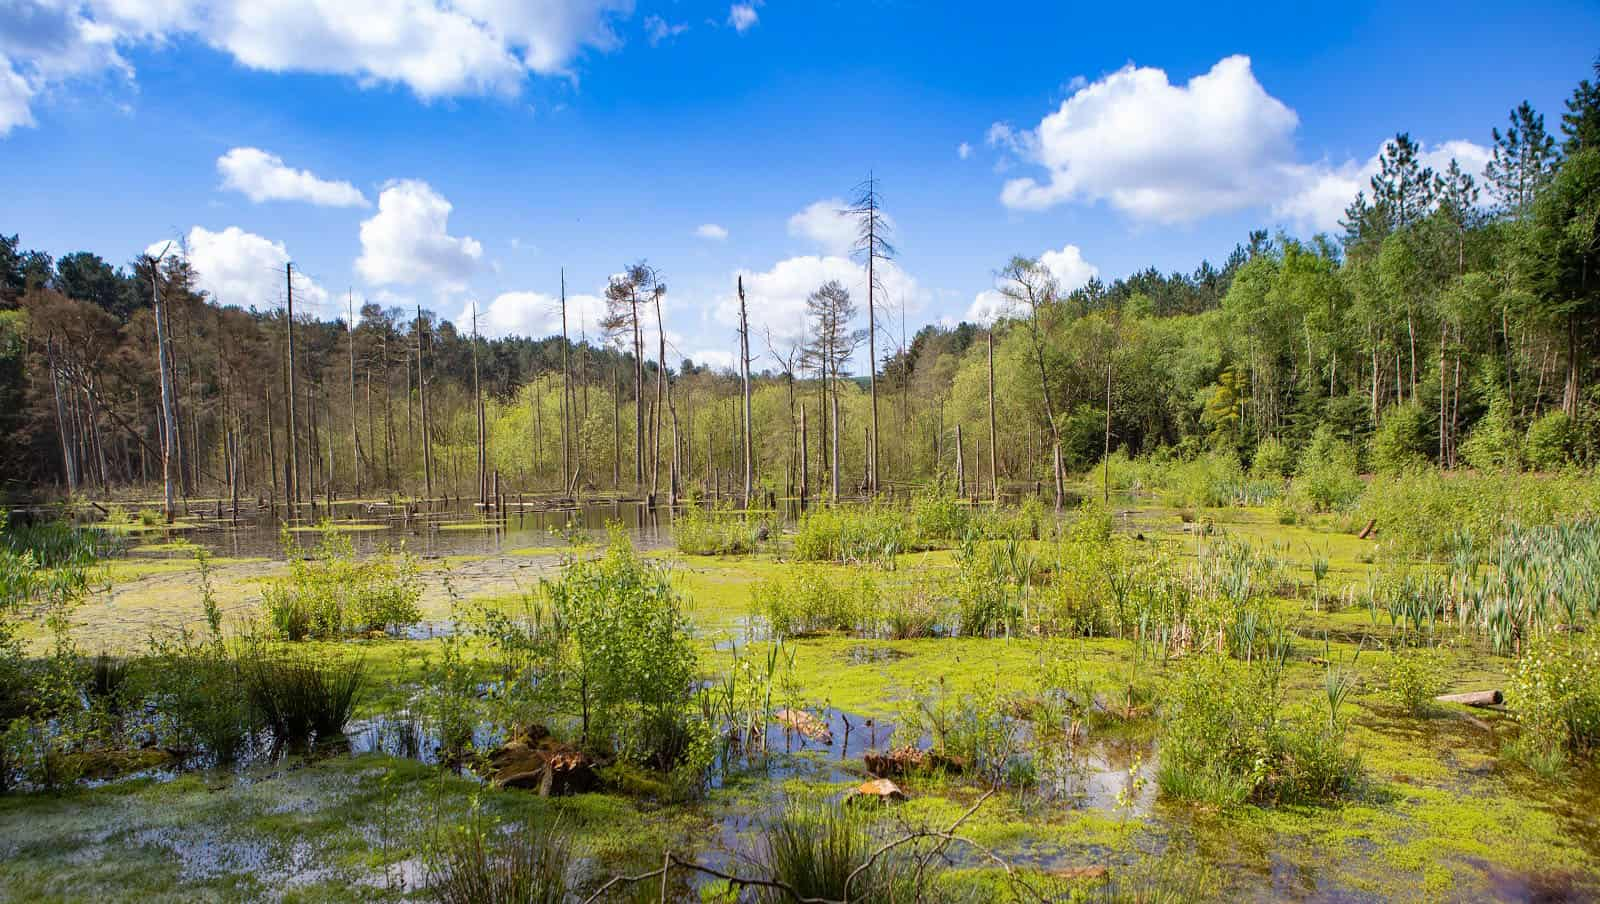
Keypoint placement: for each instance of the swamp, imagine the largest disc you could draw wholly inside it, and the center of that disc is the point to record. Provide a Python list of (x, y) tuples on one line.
[(936, 700)]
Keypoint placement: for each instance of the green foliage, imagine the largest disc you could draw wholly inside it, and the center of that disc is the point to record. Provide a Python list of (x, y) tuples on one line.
[(824, 852), (1425, 512), (1272, 460), (982, 730), (1328, 477), (330, 593), (1552, 442), (937, 515), (814, 599), (480, 863), (1226, 740), (1401, 441), (619, 653), (297, 695), (701, 531), (1555, 691), (1495, 443), (1413, 676), (852, 535)]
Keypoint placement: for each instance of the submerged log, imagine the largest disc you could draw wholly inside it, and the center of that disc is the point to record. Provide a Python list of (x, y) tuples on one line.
[(1473, 698), (806, 724)]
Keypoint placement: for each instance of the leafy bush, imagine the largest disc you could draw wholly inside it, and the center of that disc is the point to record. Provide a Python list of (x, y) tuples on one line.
[(919, 608), (1495, 443), (1413, 676), (982, 730), (938, 516), (1401, 441), (1552, 442), (699, 531), (1226, 740), (619, 653), (1272, 460), (331, 594), (1555, 691), (852, 536), (814, 599), (1425, 511), (1328, 477)]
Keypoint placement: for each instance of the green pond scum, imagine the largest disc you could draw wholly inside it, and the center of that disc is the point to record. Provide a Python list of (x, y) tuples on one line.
[(1027, 682)]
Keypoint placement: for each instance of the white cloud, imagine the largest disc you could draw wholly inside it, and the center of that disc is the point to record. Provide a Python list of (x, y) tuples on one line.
[(1067, 266), (825, 223), (407, 241), (963, 150), (536, 314), (436, 48), (1326, 190), (776, 298), (743, 16), (263, 177), (241, 268), (987, 307), (721, 359), (711, 231), (657, 29), (15, 96), (1158, 151)]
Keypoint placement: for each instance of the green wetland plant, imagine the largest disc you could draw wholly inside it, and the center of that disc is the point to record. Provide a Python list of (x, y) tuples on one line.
[(1555, 692), (330, 593), (297, 695), (701, 531), (478, 862), (827, 851), (1413, 676)]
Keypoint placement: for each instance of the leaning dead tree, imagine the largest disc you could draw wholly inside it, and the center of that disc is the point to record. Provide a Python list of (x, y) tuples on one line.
[(744, 377), (872, 246)]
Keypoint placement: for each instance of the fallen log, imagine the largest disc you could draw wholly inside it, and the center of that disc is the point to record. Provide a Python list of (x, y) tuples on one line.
[(1473, 698), (1369, 530)]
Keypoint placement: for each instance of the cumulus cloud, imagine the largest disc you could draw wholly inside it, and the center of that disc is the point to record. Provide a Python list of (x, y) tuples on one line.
[(711, 231), (536, 315), (264, 177), (408, 241), (776, 298), (241, 268), (435, 48), (1067, 266), (825, 223), (743, 16), (657, 29), (1325, 189), (963, 150), (1158, 151)]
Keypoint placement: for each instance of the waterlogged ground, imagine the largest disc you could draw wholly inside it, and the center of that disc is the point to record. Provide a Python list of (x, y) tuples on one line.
[(1441, 815)]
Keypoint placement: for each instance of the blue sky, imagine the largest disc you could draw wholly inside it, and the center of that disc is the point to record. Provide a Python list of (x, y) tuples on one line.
[(451, 151)]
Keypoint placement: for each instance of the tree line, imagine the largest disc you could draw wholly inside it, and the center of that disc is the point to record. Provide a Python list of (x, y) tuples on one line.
[(1454, 322)]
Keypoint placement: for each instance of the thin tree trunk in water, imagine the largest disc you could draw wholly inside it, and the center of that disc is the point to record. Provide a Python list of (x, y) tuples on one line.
[(994, 433), (294, 435), (744, 372), (566, 396), (961, 466), (477, 408), (805, 460), (355, 427), (167, 414), (422, 404)]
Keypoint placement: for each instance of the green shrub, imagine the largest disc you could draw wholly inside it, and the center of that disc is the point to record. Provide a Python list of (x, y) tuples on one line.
[(1425, 512), (1225, 740), (1413, 676), (814, 599), (619, 653), (852, 535), (330, 593), (721, 531), (1328, 477), (938, 516), (919, 608), (1272, 460), (1401, 441), (1495, 443), (1555, 691), (1552, 442)]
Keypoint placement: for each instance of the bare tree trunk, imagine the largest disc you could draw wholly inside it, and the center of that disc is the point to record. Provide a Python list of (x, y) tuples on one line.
[(294, 435), (961, 466), (744, 373), (355, 430), (168, 417), (422, 404), (994, 433)]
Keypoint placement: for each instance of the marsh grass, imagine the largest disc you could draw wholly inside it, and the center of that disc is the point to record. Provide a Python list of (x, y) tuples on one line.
[(299, 696), (816, 848), (330, 593), (480, 863), (720, 531)]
